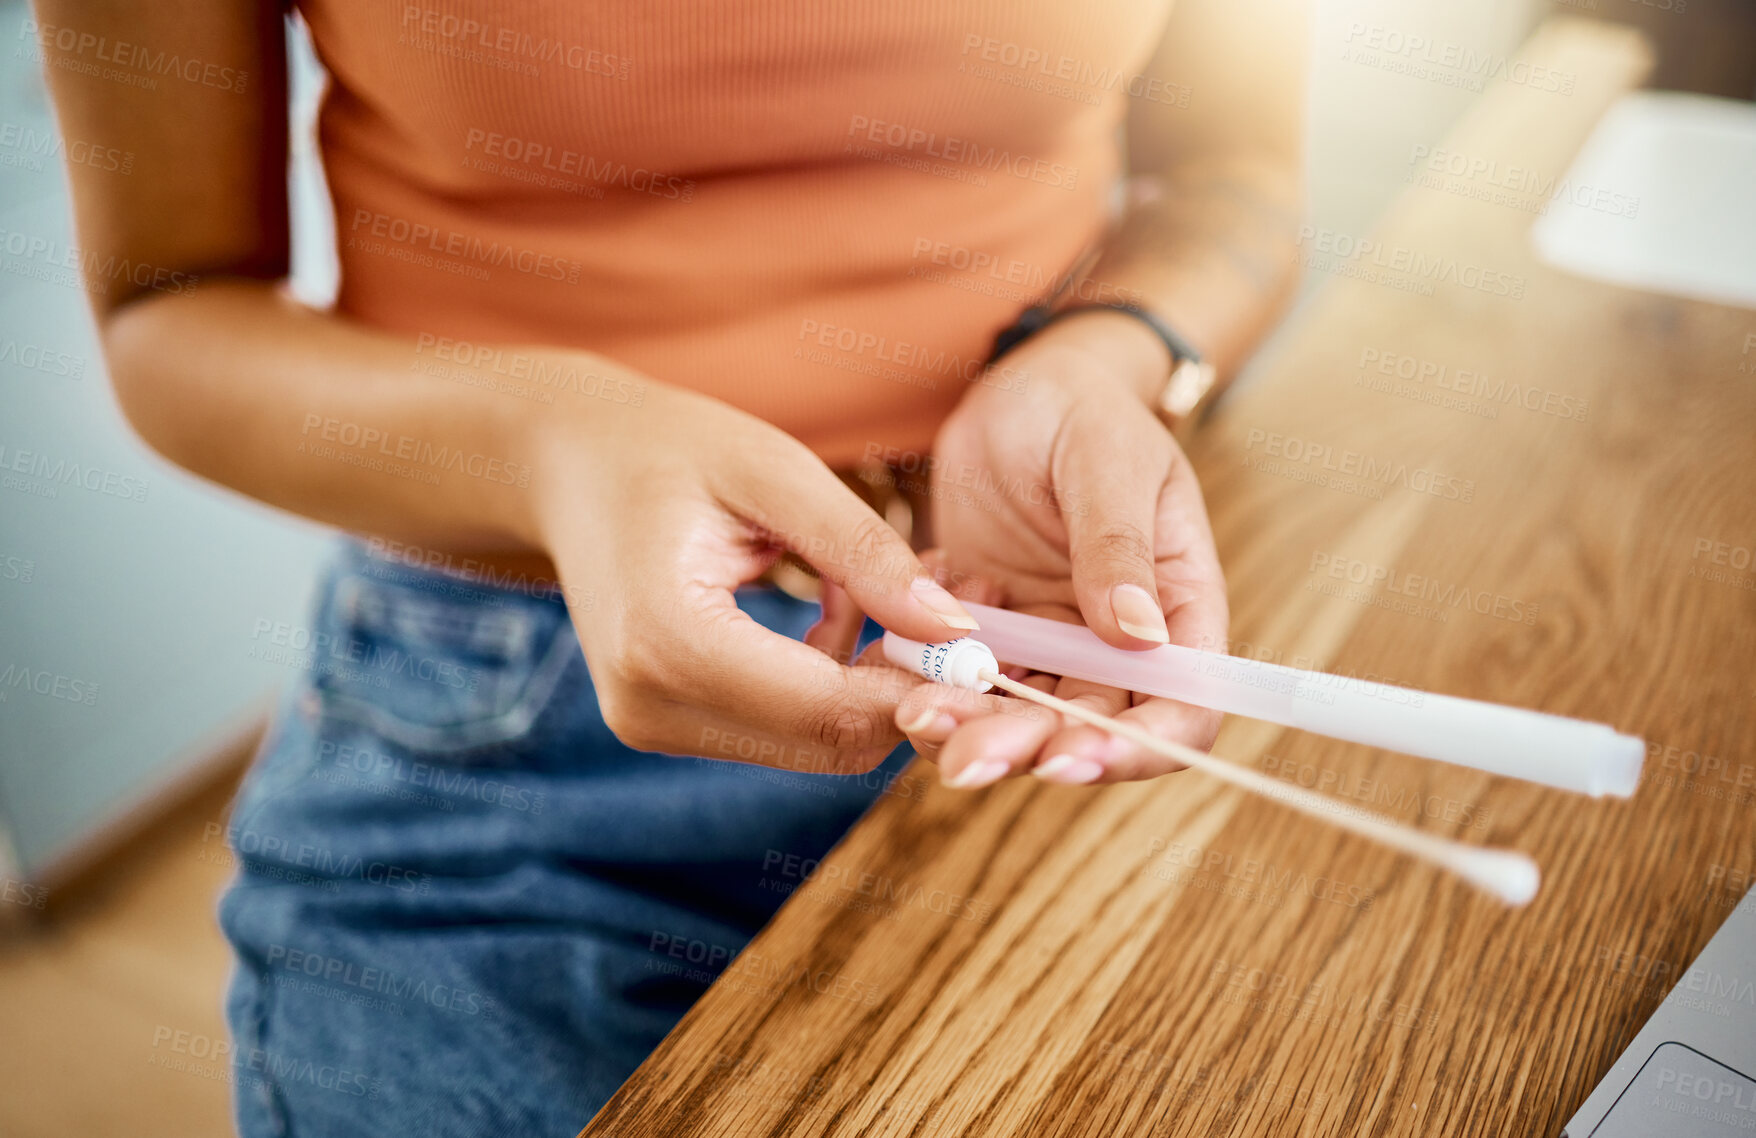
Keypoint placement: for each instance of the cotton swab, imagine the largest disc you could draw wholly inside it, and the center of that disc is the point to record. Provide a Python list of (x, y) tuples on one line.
[(1507, 874)]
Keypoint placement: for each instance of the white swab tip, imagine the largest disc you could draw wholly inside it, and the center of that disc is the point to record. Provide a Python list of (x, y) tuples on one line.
[(1507, 874)]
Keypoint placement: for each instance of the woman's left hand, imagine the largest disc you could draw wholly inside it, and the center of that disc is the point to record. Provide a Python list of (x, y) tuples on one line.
[(1057, 487)]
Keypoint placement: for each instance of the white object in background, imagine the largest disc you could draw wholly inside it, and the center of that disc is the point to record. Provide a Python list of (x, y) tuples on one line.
[(316, 269), (1661, 198)]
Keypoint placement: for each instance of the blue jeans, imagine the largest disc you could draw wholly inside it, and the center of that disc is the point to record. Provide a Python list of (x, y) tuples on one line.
[(463, 907)]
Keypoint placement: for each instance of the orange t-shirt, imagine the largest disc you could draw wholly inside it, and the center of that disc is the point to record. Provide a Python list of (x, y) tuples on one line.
[(818, 212)]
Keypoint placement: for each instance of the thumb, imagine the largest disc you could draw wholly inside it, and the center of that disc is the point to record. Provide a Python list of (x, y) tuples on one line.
[(1109, 504)]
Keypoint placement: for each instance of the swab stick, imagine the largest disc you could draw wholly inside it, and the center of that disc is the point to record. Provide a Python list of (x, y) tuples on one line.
[(1507, 874)]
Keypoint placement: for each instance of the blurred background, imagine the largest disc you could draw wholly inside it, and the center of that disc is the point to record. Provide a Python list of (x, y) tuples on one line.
[(114, 780)]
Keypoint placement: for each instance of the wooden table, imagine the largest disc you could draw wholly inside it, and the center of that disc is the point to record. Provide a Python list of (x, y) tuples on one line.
[(1172, 958)]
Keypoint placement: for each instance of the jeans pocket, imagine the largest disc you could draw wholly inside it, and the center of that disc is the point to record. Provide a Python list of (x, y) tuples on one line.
[(433, 667)]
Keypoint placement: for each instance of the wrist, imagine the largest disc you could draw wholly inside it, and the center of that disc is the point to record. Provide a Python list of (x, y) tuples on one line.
[(1127, 349), (577, 445), (555, 480)]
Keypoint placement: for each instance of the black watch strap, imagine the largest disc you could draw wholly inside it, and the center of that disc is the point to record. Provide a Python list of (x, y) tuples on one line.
[(1038, 317)]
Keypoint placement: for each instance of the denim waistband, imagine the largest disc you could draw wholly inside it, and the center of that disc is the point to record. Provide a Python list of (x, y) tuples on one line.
[(455, 577)]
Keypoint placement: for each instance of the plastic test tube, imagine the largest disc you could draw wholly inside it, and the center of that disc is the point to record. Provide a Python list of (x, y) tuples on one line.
[(1571, 754)]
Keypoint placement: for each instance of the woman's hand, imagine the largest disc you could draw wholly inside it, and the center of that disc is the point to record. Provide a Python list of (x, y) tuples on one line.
[(1058, 486), (661, 511)]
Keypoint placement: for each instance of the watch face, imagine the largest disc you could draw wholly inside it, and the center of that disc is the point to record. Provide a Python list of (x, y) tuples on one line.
[(1190, 380)]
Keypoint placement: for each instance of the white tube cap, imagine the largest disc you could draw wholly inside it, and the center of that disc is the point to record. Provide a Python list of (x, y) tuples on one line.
[(955, 662)]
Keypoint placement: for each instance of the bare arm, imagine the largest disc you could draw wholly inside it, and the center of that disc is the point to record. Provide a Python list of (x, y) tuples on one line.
[(662, 509), (1213, 250), (1126, 546), (213, 366)]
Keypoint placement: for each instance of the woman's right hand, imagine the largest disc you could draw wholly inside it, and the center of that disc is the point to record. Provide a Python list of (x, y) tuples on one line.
[(659, 512)]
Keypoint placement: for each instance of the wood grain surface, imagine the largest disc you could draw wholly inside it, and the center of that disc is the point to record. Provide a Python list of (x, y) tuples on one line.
[(1172, 958)]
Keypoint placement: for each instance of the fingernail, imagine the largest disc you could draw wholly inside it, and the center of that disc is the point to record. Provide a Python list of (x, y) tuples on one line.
[(931, 722), (942, 604), (919, 723), (979, 774), (1138, 614), (1114, 748), (1069, 769)]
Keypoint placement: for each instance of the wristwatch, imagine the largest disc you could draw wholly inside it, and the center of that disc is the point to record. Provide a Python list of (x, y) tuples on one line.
[(1190, 378)]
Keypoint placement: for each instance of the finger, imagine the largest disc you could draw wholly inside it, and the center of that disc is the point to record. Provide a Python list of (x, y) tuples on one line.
[(728, 739), (1074, 754), (965, 586), (1110, 485), (707, 655), (995, 744), (801, 505), (837, 631), (1191, 587), (1191, 583), (746, 734), (992, 747), (928, 714)]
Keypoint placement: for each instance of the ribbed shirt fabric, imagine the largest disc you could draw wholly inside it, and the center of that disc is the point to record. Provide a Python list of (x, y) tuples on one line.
[(816, 210)]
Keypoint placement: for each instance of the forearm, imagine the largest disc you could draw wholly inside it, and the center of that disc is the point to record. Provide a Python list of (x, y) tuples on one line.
[(337, 422), (1213, 253)]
